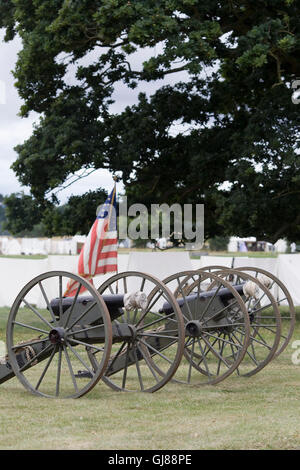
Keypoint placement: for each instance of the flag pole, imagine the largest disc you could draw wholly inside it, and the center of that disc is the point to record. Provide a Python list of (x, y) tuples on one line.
[(116, 179)]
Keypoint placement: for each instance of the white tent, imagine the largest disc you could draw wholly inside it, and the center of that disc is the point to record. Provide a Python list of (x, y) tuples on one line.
[(11, 246), (289, 273), (161, 264), (15, 273)]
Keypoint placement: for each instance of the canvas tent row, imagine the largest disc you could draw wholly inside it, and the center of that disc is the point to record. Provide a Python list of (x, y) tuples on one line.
[(41, 246), (16, 272)]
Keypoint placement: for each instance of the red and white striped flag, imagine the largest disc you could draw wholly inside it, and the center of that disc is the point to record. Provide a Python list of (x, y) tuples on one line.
[(99, 255)]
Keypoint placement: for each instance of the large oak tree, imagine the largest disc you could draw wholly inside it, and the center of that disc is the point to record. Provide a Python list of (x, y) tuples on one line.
[(225, 133)]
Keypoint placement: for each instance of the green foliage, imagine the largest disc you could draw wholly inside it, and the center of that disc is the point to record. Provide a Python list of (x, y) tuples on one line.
[(2, 216), (218, 243), (22, 214), (26, 216), (75, 217), (228, 122)]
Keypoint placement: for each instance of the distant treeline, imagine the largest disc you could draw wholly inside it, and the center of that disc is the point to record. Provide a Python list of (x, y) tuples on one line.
[(22, 215)]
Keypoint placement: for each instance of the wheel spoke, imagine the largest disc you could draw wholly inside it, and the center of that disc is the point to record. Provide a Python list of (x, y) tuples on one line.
[(137, 364), (223, 325), (148, 310), (264, 294), (77, 320), (219, 312), (125, 285), (83, 330), (115, 357), (269, 305), (198, 296), (24, 325), (111, 289), (161, 318), (210, 301), (220, 339), (73, 340), (156, 351), (146, 359), (221, 352), (191, 360), (37, 313), (215, 352), (34, 358), (45, 369), (185, 301), (30, 343), (260, 336), (81, 360), (69, 313), (252, 338), (70, 368), (234, 353), (60, 298), (135, 315), (125, 367), (58, 371), (142, 284), (247, 352), (156, 335), (204, 354), (154, 300), (47, 303)]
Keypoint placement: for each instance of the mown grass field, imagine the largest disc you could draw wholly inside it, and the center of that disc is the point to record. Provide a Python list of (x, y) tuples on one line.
[(196, 255), (260, 412)]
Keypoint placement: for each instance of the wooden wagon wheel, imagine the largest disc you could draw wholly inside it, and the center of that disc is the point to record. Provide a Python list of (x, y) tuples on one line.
[(157, 340), (214, 268), (210, 347), (265, 321), (183, 279), (283, 301), (178, 283), (47, 363)]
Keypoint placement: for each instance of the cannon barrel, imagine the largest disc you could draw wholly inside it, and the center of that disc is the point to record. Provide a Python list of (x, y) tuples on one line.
[(224, 294), (114, 303)]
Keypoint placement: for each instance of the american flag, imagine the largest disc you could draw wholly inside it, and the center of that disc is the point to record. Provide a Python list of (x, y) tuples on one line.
[(99, 255)]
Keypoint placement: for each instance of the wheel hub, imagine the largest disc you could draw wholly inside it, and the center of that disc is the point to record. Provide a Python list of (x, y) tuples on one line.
[(193, 328), (57, 335)]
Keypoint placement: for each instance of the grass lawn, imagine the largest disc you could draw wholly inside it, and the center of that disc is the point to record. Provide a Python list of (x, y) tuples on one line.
[(193, 255), (260, 412), (197, 254), (248, 254)]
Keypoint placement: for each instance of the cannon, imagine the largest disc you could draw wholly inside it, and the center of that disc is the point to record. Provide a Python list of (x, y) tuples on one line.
[(135, 330), (270, 309)]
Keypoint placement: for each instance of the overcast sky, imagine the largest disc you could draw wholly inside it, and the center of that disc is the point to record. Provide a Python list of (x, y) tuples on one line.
[(14, 129)]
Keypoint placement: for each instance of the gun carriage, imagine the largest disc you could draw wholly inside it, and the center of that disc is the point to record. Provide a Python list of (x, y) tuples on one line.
[(135, 331)]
